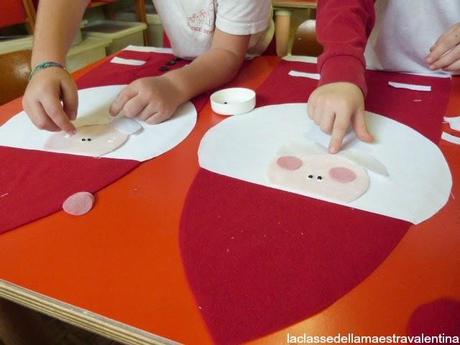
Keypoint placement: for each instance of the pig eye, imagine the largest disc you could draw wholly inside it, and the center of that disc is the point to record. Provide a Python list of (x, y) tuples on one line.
[(83, 139), (319, 178), (289, 162), (310, 176)]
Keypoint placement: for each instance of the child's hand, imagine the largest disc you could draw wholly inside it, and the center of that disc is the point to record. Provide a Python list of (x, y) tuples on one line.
[(153, 100), (43, 96), (445, 53), (333, 107)]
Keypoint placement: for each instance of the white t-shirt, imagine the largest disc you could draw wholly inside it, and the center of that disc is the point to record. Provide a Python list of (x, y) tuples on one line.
[(190, 24), (405, 30)]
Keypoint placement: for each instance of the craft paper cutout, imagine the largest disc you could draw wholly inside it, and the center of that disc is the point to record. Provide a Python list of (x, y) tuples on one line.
[(323, 174), (454, 122), (409, 176), (450, 138), (151, 140), (314, 76), (414, 87), (126, 125), (130, 62), (93, 141), (78, 204)]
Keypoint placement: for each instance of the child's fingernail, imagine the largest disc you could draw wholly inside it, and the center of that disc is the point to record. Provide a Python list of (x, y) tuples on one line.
[(332, 149)]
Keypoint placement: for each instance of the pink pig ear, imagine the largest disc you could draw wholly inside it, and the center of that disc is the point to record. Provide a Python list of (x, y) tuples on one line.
[(342, 175), (289, 162)]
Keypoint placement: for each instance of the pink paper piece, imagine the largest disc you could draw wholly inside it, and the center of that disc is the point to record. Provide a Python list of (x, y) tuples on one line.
[(79, 203), (325, 175), (93, 140)]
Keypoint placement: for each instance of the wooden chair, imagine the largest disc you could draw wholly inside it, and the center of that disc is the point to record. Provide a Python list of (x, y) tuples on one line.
[(13, 12), (15, 70), (305, 42)]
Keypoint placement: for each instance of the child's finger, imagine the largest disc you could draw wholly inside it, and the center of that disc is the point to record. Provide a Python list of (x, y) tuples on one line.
[(148, 111), (53, 108), (327, 122), (445, 43), (39, 118), (69, 100), (157, 118), (360, 128), (134, 107), (338, 133), (125, 95), (447, 59), (453, 67), (310, 109)]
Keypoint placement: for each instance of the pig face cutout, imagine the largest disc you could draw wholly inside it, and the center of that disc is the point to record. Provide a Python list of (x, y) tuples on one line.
[(312, 170), (94, 140), (329, 176)]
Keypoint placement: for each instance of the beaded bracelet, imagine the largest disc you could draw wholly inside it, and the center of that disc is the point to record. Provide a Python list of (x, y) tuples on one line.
[(45, 65)]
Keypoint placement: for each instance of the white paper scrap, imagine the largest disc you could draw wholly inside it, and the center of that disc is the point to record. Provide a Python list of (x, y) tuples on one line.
[(149, 49), (450, 138), (130, 62), (314, 76), (414, 87)]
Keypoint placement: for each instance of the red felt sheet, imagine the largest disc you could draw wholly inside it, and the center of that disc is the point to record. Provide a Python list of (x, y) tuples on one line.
[(260, 259)]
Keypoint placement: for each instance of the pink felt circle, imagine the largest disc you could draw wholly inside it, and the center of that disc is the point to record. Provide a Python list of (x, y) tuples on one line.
[(78, 204), (341, 174), (289, 162)]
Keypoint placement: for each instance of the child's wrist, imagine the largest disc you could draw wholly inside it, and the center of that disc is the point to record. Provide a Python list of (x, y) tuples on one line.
[(45, 65)]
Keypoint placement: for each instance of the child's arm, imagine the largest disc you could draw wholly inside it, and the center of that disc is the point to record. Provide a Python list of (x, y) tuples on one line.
[(445, 53), (156, 99), (343, 27), (57, 23)]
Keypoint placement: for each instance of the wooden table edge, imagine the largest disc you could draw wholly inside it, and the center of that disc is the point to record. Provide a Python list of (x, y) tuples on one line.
[(80, 317)]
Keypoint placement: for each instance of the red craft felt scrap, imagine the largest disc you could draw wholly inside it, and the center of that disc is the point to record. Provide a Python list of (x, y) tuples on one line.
[(260, 259), (441, 316)]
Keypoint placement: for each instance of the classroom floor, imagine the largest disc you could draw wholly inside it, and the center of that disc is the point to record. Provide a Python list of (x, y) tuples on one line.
[(57, 332)]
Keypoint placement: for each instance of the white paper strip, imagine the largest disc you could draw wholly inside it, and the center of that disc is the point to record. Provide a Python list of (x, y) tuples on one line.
[(450, 138), (417, 186), (414, 87), (314, 76), (451, 119), (93, 108), (454, 122), (300, 58), (149, 49), (130, 62)]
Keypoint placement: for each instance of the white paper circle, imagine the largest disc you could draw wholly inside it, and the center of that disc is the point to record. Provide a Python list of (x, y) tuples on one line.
[(93, 109)]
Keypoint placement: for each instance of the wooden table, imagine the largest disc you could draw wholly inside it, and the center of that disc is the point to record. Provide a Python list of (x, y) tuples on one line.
[(118, 270)]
